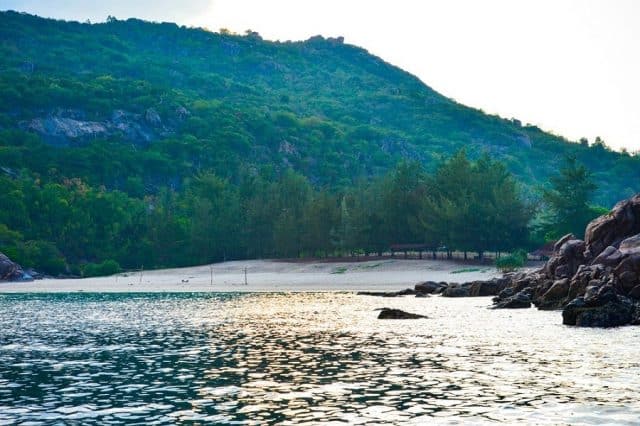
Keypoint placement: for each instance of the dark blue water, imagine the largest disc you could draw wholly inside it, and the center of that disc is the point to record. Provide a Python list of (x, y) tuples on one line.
[(304, 358)]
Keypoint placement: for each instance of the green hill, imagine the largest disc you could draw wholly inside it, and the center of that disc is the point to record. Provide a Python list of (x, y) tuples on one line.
[(166, 102), (159, 145)]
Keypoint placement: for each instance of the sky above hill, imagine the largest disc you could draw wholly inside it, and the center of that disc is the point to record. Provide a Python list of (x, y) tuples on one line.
[(568, 66)]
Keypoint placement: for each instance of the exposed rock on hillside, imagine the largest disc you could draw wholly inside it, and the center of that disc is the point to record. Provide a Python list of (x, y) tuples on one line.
[(68, 126)]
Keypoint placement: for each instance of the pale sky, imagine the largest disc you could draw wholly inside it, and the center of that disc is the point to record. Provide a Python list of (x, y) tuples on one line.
[(571, 67)]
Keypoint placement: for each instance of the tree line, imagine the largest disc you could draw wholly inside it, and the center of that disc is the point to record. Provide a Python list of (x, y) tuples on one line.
[(465, 205)]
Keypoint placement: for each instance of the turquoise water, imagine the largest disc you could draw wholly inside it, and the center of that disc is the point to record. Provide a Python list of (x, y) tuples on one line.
[(305, 358)]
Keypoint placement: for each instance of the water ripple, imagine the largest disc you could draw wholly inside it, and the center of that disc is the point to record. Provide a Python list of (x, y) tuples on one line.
[(304, 358)]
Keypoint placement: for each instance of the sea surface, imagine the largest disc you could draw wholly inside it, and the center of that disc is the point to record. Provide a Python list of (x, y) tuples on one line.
[(305, 358)]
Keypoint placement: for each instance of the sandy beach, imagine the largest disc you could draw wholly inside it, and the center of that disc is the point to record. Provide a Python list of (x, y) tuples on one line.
[(271, 276)]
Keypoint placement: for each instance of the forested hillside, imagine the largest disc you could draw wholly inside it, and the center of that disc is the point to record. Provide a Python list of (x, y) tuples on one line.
[(117, 138)]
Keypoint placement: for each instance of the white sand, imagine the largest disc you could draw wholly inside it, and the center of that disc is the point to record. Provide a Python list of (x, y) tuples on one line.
[(266, 276)]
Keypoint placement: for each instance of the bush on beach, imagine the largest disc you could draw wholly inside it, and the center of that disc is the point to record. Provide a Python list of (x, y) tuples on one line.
[(512, 262), (108, 267)]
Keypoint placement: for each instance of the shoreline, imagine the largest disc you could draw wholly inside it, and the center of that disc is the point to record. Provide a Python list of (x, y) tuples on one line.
[(270, 276)]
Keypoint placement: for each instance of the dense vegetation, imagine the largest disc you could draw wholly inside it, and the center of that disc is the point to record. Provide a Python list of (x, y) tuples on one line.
[(469, 206), (158, 145)]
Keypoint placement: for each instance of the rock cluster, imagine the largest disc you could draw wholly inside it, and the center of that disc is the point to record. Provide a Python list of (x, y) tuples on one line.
[(596, 282), (476, 288), (11, 271)]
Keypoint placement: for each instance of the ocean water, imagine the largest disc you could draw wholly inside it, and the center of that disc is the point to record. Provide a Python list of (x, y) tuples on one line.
[(304, 358)]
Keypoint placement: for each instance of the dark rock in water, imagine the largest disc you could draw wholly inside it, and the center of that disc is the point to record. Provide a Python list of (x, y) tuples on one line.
[(571, 311), (387, 313), (457, 290), (11, 271), (405, 292), (374, 293), (521, 300), (602, 309), (422, 294), (476, 288), (558, 290), (484, 288), (504, 294), (430, 287)]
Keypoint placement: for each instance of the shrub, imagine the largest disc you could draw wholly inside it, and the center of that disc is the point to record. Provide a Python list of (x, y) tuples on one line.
[(512, 262), (108, 267)]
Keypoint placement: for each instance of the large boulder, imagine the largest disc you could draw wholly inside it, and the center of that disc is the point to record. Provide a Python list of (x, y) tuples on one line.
[(558, 244), (603, 307), (483, 288), (628, 272), (490, 287), (611, 229), (457, 290), (566, 259), (630, 246), (521, 300), (554, 297), (430, 287), (587, 275), (11, 271), (610, 256)]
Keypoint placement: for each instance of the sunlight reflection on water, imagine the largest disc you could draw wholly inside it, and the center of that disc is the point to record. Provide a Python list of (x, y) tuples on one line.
[(305, 358)]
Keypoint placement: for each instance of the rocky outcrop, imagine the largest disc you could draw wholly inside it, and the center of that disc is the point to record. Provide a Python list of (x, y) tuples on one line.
[(431, 287), (11, 271), (387, 313), (457, 290), (596, 282), (520, 300), (70, 126), (599, 307), (65, 128), (611, 229), (490, 287)]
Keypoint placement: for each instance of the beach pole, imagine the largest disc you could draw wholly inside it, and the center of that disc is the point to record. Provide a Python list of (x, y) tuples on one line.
[(211, 267), (141, 271), (245, 275)]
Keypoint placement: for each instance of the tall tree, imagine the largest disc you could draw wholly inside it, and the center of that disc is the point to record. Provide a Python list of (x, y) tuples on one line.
[(475, 206), (568, 199)]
